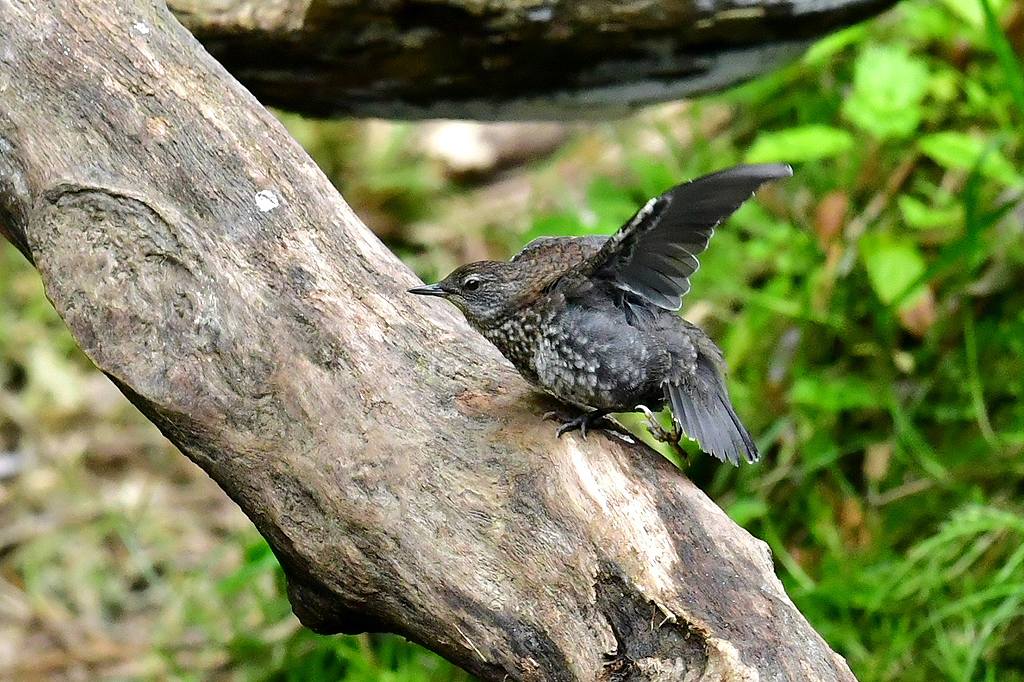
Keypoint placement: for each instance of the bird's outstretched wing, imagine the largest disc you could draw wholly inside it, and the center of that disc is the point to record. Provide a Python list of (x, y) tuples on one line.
[(653, 255)]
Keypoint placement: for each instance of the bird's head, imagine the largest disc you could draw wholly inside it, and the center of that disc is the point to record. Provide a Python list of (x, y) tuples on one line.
[(484, 291)]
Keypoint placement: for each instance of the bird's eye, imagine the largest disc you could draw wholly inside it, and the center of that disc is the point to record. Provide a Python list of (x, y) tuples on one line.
[(471, 283)]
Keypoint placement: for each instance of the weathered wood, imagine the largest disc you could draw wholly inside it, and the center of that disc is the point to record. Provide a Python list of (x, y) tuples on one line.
[(396, 464), (497, 59)]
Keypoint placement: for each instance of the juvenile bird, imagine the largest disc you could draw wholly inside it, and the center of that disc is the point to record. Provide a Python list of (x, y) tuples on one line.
[(593, 320)]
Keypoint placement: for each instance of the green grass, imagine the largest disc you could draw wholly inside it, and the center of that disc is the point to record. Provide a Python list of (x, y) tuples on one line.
[(870, 308)]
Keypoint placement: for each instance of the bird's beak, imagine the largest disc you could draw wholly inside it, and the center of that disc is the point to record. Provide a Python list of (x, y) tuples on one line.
[(429, 290)]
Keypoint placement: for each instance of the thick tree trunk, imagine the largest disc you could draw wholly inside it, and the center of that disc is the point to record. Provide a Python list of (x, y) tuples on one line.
[(502, 59), (393, 460)]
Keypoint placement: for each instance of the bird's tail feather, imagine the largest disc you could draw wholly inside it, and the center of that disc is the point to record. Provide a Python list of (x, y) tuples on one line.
[(710, 420)]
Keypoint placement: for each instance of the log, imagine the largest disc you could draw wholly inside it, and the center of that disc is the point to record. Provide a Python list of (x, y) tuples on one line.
[(395, 463), (495, 59)]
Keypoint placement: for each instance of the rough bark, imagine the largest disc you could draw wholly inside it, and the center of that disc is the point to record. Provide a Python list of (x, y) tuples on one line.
[(396, 464), (502, 58)]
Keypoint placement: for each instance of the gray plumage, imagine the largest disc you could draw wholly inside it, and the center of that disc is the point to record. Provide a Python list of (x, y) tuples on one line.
[(593, 321)]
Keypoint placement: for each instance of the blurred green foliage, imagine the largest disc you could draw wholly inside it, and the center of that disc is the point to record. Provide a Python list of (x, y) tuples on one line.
[(871, 311)]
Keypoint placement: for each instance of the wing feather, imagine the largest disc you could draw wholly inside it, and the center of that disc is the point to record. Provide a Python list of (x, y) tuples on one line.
[(654, 254), (712, 422)]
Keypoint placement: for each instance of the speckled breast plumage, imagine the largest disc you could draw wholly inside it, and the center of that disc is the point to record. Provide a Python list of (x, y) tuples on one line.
[(517, 337), (580, 357)]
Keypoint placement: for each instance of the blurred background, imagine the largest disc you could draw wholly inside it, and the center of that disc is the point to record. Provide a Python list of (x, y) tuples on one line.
[(871, 310)]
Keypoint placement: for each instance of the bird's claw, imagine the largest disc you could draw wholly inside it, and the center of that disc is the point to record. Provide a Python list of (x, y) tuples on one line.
[(583, 423), (658, 431)]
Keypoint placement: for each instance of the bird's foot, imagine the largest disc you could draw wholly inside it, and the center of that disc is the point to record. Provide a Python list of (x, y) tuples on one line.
[(583, 422), (659, 432)]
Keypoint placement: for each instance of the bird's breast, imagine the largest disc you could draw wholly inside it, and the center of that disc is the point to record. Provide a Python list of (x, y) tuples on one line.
[(518, 338), (582, 355)]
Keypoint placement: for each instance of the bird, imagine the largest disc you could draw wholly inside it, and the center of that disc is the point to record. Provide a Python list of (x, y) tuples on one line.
[(594, 320)]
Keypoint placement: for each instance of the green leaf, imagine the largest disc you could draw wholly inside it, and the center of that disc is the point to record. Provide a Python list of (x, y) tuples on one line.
[(832, 44), (747, 509), (972, 11), (921, 216), (960, 151), (1008, 60), (888, 89), (835, 394), (929, 21), (555, 225), (892, 265), (805, 143), (609, 205), (653, 176), (968, 10)]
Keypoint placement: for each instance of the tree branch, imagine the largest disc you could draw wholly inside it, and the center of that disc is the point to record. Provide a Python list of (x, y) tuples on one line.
[(394, 462), (496, 59)]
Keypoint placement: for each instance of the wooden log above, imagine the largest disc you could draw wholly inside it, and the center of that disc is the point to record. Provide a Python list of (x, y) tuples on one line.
[(502, 59), (395, 463)]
